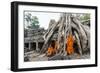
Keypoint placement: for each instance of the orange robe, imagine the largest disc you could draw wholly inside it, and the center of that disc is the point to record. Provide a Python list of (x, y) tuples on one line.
[(70, 42), (51, 51)]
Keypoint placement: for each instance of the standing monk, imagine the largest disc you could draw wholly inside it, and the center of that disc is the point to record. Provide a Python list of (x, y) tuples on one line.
[(70, 43)]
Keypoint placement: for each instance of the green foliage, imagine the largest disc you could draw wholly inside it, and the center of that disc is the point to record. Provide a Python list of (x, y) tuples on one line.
[(85, 17), (32, 20)]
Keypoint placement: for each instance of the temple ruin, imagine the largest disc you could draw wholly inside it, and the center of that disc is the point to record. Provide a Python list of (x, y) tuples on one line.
[(67, 29)]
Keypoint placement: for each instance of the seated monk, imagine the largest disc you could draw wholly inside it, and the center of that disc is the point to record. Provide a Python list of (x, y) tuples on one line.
[(52, 49)]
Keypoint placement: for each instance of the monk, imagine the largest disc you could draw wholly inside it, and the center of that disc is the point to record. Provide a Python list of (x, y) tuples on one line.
[(69, 44), (52, 49)]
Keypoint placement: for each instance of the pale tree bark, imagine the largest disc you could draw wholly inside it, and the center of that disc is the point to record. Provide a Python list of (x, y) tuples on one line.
[(82, 34)]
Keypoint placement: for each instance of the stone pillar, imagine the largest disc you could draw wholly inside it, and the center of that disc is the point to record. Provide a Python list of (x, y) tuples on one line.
[(37, 49)]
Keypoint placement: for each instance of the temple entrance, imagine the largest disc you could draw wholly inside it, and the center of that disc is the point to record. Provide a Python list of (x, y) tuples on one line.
[(26, 45), (40, 44), (33, 46)]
